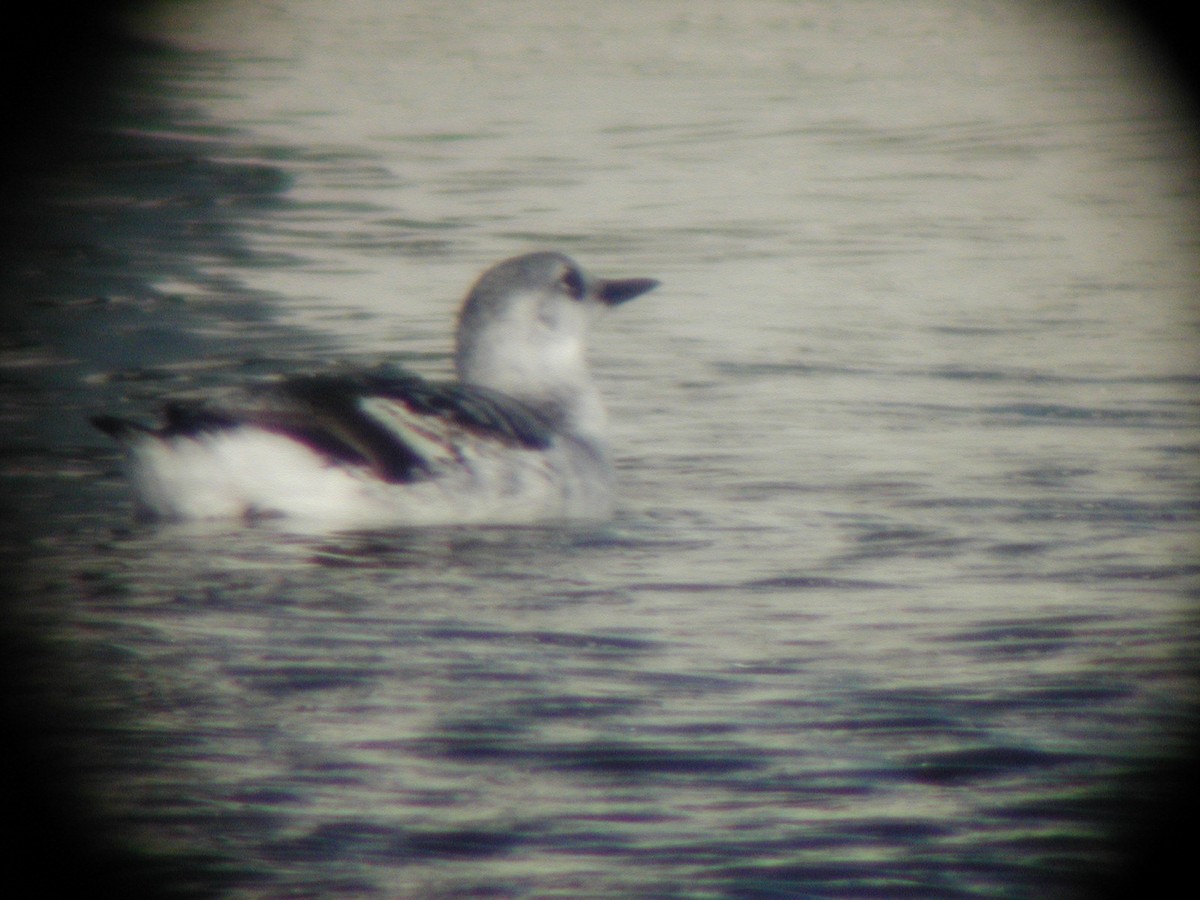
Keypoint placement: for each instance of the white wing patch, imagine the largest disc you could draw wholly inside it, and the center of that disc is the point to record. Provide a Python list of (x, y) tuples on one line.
[(431, 437)]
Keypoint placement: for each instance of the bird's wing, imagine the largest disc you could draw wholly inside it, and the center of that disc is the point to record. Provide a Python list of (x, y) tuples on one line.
[(398, 424), (402, 425)]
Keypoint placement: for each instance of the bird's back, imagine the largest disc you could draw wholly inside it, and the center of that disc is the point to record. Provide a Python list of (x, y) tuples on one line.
[(373, 447)]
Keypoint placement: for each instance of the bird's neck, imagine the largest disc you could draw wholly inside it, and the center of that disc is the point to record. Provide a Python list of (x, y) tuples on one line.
[(559, 386)]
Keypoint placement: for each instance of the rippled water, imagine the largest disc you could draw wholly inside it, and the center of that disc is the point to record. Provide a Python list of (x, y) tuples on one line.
[(900, 600)]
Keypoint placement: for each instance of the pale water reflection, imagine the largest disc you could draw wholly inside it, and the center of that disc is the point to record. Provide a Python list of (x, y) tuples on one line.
[(900, 599)]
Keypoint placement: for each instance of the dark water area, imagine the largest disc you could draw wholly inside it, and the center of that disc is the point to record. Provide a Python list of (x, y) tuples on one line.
[(92, 248), (99, 200), (901, 600)]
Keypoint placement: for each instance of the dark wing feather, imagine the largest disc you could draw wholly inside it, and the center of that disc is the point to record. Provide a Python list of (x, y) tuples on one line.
[(473, 407), (325, 413), (334, 402)]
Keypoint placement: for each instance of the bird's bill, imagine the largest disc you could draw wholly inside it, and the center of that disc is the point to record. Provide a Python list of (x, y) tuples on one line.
[(614, 291)]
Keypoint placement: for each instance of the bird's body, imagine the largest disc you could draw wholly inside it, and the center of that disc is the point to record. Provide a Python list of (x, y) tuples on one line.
[(520, 437)]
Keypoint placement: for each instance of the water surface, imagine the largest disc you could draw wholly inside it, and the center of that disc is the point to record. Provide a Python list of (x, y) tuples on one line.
[(900, 598)]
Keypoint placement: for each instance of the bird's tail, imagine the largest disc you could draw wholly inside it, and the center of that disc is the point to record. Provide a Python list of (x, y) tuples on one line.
[(121, 429)]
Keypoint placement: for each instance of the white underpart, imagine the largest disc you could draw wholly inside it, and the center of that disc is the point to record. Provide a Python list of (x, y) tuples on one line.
[(248, 472)]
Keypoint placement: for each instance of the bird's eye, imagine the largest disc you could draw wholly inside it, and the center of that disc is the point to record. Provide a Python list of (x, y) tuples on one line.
[(572, 283)]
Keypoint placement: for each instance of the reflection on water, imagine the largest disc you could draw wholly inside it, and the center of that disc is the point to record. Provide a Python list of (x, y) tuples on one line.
[(900, 597)]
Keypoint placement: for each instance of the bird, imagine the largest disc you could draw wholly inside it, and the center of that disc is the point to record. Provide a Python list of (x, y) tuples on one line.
[(519, 437)]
